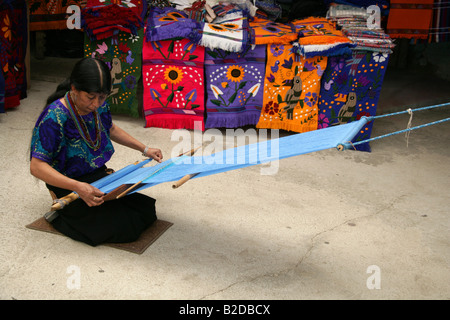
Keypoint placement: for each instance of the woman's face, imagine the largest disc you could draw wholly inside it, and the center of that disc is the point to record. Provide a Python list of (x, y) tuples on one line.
[(87, 102)]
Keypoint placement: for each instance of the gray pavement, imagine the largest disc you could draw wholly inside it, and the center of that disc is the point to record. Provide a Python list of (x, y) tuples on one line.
[(327, 225)]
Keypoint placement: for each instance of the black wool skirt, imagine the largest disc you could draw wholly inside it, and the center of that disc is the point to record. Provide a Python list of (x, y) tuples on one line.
[(115, 221)]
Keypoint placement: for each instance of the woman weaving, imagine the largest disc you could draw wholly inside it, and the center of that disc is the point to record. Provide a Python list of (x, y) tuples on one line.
[(71, 144)]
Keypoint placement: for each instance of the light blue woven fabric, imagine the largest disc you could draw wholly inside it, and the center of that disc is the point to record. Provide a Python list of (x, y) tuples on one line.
[(239, 157)]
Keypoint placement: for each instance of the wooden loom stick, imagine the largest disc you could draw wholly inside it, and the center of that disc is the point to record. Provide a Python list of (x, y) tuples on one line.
[(183, 180), (189, 153), (60, 203), (187, 177)]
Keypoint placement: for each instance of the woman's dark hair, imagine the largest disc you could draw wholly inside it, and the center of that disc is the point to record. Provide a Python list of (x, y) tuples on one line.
[(89, 75)]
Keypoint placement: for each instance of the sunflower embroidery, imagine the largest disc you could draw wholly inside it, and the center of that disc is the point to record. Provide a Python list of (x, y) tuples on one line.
[(235, 73), (173, 75)]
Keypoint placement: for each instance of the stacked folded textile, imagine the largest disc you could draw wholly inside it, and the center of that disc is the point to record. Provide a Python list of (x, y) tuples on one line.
[(102, 19), (370, 40), (382, 4), (270, 8), (353, 22), (168, 23), (221, 9), (319, 37), (265, 31)]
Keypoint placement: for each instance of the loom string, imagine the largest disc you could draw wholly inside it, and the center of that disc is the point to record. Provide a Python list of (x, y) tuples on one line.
[(401, 131), (409, 128)]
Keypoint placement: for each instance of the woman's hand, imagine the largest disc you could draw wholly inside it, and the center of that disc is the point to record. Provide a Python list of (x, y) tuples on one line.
[(91, 195), (120, 136), (154, 153), (42, 170)]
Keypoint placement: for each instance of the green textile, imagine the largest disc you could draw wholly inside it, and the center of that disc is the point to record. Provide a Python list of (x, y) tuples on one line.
[(123, 54)]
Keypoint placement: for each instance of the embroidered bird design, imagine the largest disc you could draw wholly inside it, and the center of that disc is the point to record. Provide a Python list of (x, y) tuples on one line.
[(320, 71), (129, 58), (354, 62), (347, 110), (327, 85), (292, 97), (274, 68)]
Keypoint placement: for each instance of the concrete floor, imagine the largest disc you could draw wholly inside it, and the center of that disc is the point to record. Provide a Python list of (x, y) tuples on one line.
[(328, 225)]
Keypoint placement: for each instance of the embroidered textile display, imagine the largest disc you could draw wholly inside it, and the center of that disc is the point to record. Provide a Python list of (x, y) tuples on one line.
[(228, 33), (265, 31), (168, 23), (234, 86), (410, 18), (123, 54), (173, 84), (102, 19), (350, 89), (318, 37), (13, 44), (291, 90), (50, 14)]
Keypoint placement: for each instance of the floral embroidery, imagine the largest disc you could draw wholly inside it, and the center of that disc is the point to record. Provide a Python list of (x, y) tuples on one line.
[(7, 28), (173, 74), (271, 108), (235, 73)]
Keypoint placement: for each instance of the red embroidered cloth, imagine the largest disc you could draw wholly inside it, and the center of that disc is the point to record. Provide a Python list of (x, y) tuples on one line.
[(173, 84)]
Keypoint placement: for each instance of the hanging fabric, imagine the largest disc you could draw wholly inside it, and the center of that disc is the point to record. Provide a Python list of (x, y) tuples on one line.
[(173, 84), (13, 47), (234, 86), (291, 90)]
